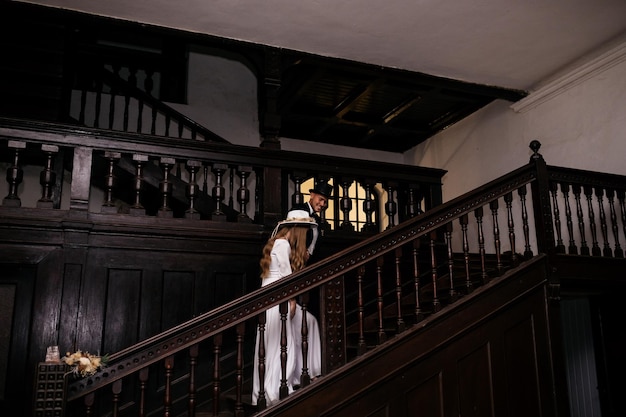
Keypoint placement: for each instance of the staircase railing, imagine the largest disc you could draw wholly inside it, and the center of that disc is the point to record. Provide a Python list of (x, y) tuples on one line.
[(412, 270), (114, 103), (408, 253)]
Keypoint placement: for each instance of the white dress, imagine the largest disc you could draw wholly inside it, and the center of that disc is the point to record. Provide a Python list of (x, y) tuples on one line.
[(279, 268)]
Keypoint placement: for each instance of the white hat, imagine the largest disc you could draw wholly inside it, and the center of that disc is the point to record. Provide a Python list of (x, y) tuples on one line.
[(297, 218)]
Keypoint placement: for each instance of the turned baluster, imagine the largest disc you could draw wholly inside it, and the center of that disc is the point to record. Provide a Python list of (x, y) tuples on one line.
[(400, 324), (283, 390), (240, 331), (297, 197), (148, 86), (391, 207), (528, 253), (217, 375), (113, 94), (496, 234), (603, 226), (382, 336), (167, 397), (433, 271), (218, 192), (243, 194), (116, 389), (560, 247), (621, 197), (143, 383), (137, 209), (414, 203), (96, 118), (595, 247), (610, 194), (346, 204), (261, 401), (109, 182), (508, 200), (576, 190), (305, 376), (369, 205), (448, 236), (47, 178), (362, 347), (193, 361), (168, 122), (165, 187), (15, 174), (132, 80), (572, 249), (83, 106), (419, 315), (464, 220), (478, 213), (192, 189)]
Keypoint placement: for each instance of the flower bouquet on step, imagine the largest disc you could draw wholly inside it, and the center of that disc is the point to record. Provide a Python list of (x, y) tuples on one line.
[(84, 364)]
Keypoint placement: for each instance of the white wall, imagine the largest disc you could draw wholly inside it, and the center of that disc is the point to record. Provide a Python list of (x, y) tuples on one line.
[(582, 124)]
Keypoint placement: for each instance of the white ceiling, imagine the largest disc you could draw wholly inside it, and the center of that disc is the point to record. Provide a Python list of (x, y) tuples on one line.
[(507, 43)]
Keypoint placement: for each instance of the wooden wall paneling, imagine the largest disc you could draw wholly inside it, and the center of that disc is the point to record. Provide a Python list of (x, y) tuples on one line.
[(475, 383), (15, 399), (92, 302), (122, 313), (522, 373), (69, 308)]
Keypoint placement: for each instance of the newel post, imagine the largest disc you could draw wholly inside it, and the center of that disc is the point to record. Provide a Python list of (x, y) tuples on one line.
[(81, 179), (541, 202)]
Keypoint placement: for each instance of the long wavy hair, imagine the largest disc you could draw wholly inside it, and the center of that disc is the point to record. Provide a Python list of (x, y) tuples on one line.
[(297, 241)]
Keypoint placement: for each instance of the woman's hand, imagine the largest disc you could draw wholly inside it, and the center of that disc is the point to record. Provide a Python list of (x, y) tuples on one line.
[(292, 308)]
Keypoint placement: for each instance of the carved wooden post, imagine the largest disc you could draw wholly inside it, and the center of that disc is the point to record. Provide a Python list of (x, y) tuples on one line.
[(15, 174), (110, 181), (297, 198), (240, 330), (218, 192), (193, 362), (494, 206), (528, 253), (391, 207), (508, 200), (610, 195), (369, 207), (414, 203), (346, 204), (419, 314), (47, 178), (165, 187), (572, 249), (584, 248), (243, 194), (192, 189), (217, 375), (137, 209)]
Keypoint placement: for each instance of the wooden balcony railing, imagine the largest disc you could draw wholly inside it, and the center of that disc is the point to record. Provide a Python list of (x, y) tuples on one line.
[(169, 177)]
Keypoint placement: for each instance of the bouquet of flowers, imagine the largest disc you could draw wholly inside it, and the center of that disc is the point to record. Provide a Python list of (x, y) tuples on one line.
[(83, 363)]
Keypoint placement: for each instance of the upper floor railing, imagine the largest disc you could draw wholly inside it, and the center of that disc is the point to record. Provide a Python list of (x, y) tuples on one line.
[(91, 170)]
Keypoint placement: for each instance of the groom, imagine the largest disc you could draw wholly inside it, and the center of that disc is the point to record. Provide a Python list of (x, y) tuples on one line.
[(318, 202)]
